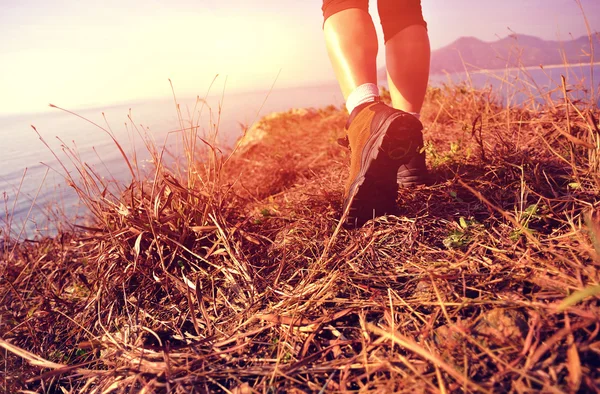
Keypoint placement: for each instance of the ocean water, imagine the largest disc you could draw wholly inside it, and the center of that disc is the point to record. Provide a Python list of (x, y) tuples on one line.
[(35, 194), (33, 187), (515, 86)]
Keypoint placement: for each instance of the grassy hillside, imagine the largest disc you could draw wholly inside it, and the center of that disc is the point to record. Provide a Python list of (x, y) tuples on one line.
[(230, 273)]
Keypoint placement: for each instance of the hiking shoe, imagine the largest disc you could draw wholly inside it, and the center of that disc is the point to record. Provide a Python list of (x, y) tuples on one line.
[(414, 173), (382, 141)]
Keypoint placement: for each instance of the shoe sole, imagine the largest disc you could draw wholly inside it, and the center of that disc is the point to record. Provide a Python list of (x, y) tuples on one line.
[(414, 173), (374, 190)]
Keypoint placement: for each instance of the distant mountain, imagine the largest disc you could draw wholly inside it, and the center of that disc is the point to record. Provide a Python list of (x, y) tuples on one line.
[(512, 51)]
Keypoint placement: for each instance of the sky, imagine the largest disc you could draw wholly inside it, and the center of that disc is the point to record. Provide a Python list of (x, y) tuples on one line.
[(83, 53)]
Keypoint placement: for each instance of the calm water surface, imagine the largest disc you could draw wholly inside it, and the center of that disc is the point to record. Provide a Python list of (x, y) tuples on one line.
[(27, 164), (29, 168)]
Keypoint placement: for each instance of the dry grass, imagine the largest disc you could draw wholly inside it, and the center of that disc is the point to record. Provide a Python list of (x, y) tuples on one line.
[(229, 276)]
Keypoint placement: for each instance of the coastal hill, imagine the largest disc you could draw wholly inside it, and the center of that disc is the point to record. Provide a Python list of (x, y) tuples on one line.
[(512, 51), (229, 273)]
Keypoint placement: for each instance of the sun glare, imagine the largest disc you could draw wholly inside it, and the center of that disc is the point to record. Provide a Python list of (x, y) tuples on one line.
[(95, 64)]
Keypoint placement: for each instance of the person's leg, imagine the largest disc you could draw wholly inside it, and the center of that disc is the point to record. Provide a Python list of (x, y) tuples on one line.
[(351, 43), (382, 139), (407, 52), (407, 63), (407, 59)]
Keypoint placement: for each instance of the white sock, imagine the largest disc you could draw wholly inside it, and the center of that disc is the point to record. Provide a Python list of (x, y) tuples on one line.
[(364, 93), (416, 115)]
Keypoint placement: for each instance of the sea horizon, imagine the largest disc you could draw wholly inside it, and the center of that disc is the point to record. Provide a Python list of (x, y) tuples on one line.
[(25, 154)]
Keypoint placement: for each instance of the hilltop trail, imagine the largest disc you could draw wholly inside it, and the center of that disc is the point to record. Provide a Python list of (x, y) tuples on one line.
[(229, 279)]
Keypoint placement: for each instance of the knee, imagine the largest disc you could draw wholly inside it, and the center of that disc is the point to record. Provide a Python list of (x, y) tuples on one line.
[(331, 7), (398, 15)]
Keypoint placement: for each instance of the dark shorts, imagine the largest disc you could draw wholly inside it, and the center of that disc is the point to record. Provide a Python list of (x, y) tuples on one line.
[(395, 15)]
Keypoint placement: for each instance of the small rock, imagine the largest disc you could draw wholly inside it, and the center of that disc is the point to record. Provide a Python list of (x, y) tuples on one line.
[(502, 326)]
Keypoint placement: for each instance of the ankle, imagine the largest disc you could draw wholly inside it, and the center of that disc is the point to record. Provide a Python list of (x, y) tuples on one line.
[(365, 93)]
